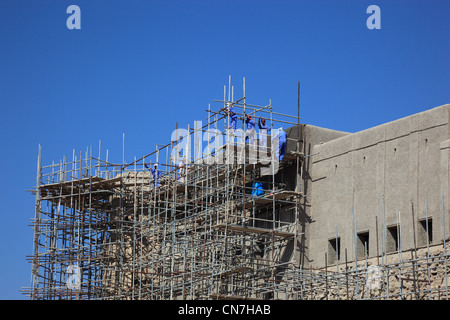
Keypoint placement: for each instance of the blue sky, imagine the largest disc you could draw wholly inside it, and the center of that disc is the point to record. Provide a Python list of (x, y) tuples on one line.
[(139, 67)]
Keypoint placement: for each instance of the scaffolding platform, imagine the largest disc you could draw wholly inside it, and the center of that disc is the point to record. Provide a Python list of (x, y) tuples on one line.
[(268, 199), (255, 230)]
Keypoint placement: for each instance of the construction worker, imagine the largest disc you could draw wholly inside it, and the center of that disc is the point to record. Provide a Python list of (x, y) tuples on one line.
[(250, 134), (231, 130), (181, 171), (282, 140), (155, 173), (233, 116), (264, 131)]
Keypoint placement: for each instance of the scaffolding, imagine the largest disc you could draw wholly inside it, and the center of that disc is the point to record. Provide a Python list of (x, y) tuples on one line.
[(199, 231), (175, 225)]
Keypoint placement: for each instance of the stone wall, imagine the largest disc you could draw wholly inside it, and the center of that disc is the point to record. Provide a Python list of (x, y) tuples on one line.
[(385, 179), (421, 274)]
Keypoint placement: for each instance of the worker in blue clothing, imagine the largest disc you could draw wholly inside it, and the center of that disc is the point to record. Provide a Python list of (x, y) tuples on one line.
[(181, 171), (231, 130), (155, 173), (282, 140), (250, 134), (264, 131), (233, 116)]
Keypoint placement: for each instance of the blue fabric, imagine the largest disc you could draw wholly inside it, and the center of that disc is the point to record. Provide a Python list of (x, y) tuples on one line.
[(282, 136), (258, 189), (261, 126), (250, 124), (233, 118), (156, 174), (282, 139), (264, 132)]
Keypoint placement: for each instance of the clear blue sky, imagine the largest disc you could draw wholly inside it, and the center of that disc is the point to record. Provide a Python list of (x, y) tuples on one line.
[(138, 67)]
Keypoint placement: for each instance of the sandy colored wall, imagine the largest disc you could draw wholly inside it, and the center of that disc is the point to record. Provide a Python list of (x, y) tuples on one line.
[(405, 162)]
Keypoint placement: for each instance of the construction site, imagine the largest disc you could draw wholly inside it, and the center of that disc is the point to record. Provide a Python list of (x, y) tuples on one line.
[(295, 212)]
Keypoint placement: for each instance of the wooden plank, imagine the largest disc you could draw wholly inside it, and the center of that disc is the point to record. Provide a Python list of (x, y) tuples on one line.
[(292, 155), (267, 199), (236, 270), (76, 183), (243, 229)]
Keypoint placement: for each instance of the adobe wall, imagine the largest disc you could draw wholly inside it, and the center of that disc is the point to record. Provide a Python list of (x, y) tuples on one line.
[(311, 135), (423, 275), (404, 162)]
